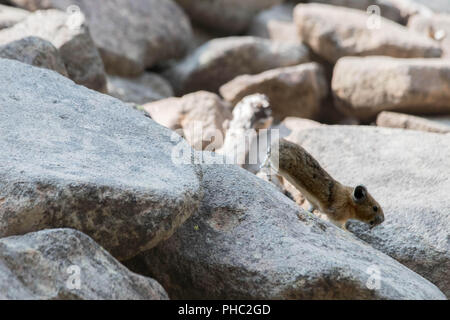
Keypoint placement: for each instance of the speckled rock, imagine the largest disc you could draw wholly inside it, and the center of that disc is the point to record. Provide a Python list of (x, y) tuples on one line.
[(227, 16), (249, 241), (72, 157), (130, 34), (363, 87), (46, 265), (35, 51), (334, 32), (220, 60), (408, 173), (73, 41), (295, 91), (140, 90)]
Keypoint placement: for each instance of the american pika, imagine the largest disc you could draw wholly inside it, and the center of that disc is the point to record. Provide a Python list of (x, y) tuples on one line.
[(337, 201)]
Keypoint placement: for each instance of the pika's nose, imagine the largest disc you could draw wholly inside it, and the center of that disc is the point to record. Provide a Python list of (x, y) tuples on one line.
[(379, 219), (376, 221)]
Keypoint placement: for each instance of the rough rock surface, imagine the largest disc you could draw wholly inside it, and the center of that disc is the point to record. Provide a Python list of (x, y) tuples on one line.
[(295, 91), (72, 157), (228, 16), (73, 40), (130, 34), (9, 16), (202, 117), (46, 264), (334, 32), (363, 87), (247, 242), (35, 51), (220, 60), (436, 26), (408, 173), (275, 23), (146, 88), (406, 121)]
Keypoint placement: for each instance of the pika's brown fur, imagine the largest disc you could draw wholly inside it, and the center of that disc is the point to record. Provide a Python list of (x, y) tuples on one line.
[(340, 203)]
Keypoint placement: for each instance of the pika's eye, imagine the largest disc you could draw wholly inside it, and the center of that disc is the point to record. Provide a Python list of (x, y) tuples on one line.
[(375, 208)]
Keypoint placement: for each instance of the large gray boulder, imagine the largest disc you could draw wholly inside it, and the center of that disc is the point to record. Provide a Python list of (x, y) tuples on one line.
[(334, 32), (220, 60), (35, 51), (201, 117), (249, 241), (227, 16), (72, 39), (130, 34), (408, 173), (296, 91), (72, 157), (364, 87), (67, 264)]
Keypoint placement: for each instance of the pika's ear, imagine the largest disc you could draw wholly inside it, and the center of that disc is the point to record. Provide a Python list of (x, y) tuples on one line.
[(359, 193)]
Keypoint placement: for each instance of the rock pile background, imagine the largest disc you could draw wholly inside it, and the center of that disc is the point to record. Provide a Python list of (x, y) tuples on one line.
[(111, 113)]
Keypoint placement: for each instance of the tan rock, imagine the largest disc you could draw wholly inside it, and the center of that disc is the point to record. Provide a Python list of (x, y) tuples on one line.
[(405, 121), (436, 26), (334, 32), (294, 123), (295, 91), (220, 60), (202, 117), (363, 87), (276, 23)]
